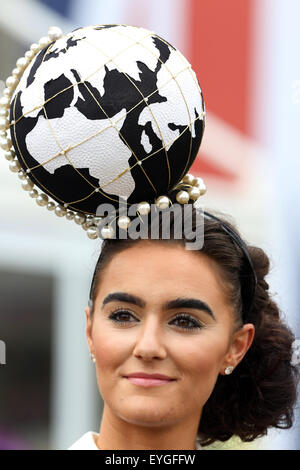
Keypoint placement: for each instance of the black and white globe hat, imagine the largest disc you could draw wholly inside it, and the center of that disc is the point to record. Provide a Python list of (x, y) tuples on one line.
[(105, 114)]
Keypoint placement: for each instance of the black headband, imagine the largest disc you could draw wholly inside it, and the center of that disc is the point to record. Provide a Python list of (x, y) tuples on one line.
[(248, 276)]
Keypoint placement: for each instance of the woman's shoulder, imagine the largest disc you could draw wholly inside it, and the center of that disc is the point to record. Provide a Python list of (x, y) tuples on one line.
[(85, 442)]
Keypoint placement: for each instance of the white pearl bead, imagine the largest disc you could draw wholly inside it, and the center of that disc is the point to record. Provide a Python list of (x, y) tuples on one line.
[(7, 92), (89, 221), (107, 231), (9, 155), (92, 232), (5, 143), (16, 72), (4, 112), (15, 166), (9, 143), (60, 211), (29, 54), (34, 193), (4, 123), (44, 41), (4, 102), (202, 188), (182, 197), (197, 181), (162, 202), (51, 206), (123, 222), (27, 184), (84, 226), (11, 82), (22, 63), (35, 47), (194, 193), (144, 208), (70, 215), (54, 33), (22, 175), (42, 199), (79, 218), (188, 178), (97, 220)]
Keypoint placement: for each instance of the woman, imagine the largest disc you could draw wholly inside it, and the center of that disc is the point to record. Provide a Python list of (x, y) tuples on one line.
[(217, 350), (115, 114)]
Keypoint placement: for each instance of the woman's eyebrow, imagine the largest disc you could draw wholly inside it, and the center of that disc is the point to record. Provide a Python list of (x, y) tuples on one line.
[(183, 302), (180, 302), (124, 297)]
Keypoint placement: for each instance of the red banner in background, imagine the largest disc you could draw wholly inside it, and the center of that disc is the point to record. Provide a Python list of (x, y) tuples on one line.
[(219, 47)]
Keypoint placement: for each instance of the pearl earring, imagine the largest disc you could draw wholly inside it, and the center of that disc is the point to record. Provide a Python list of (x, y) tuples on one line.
[(228, 370), (93, 357)]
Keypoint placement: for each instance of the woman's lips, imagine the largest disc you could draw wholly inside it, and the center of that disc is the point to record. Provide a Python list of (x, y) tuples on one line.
[(148, 382)]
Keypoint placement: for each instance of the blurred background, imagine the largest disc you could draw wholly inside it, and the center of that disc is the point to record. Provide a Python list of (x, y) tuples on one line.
[(246, 56)]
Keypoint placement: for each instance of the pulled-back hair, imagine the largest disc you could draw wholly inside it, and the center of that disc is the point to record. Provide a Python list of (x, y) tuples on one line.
[(262, 390)]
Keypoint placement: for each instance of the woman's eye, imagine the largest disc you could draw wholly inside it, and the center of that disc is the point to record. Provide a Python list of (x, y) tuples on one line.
[(187, 322), (183, 321), (122, 317)]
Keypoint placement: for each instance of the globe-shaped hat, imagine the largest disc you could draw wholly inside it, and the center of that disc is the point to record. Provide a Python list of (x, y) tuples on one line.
[(105, 114)]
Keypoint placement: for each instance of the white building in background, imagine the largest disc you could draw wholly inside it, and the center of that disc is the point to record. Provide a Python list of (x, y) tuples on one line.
[(277, 124)]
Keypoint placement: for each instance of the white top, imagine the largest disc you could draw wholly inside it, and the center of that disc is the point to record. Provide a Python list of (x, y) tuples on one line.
[(86, 442)]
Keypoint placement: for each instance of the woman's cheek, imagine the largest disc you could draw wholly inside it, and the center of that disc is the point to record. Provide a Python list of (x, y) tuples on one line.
[(110, 348), (205, 357)]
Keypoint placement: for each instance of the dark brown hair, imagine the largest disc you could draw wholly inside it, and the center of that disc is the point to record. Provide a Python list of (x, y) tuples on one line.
[(262, 390)]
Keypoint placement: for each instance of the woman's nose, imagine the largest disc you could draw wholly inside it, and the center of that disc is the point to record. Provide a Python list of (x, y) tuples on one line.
[(149, 343)]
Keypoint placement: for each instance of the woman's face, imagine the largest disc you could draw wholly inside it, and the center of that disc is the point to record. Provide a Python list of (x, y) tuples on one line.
[(190, 343)]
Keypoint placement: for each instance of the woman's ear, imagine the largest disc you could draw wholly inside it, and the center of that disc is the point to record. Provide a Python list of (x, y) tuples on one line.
[(88, 330), (241, 342)]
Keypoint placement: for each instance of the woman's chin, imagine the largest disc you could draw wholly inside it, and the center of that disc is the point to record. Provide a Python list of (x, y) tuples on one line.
[(147, 415)]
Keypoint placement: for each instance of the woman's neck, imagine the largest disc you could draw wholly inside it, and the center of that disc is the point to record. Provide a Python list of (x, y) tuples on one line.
[(117, 434)]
